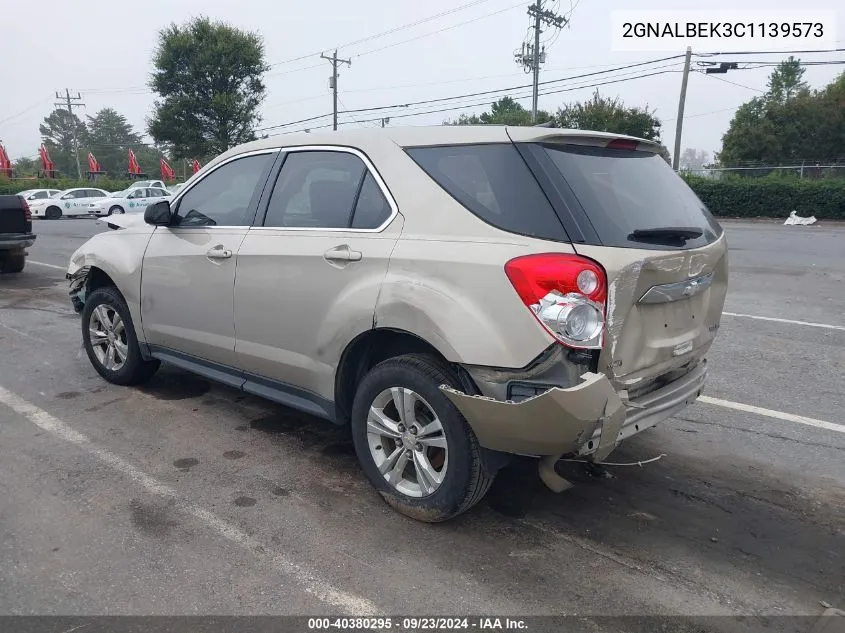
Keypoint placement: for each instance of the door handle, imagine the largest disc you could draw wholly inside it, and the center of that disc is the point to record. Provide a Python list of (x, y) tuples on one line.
[(218, 252), (342, 254)]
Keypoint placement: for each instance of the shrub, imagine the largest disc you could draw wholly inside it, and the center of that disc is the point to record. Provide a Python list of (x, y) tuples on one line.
[(771, 198)]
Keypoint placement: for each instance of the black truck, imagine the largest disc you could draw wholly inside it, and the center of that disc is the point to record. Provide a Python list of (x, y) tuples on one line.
[(15, 233)]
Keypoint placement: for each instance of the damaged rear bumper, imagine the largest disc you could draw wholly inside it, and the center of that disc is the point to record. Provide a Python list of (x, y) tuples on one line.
[(588, 419)]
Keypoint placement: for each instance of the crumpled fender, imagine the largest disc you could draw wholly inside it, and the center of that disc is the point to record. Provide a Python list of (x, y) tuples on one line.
[(554, 423)]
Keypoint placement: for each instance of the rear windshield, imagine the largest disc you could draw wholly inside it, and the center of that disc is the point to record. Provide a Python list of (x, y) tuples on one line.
[(623, 192), (495, 184)]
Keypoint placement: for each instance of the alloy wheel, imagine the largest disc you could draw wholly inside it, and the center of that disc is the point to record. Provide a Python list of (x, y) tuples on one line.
[(407, 442), (107, 334)]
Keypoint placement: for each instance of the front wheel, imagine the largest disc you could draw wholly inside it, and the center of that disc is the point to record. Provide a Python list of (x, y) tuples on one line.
[(53, 213), (413, 444), (115, 209), (110, 340)]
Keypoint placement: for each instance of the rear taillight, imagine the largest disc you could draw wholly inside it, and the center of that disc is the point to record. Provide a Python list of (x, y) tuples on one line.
[(623, 143), (27, 214), (566, 293)]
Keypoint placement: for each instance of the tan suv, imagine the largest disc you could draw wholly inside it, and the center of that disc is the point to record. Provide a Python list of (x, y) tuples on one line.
[(455, 294)]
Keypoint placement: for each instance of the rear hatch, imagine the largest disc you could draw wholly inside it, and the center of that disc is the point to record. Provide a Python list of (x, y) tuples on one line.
[(664, 254), (13, 215)]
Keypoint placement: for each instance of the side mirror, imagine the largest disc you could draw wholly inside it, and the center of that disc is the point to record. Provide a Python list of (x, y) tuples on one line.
[(158, 214)]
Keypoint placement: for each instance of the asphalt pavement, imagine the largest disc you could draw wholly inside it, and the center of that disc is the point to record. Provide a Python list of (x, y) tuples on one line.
[(187, 497)]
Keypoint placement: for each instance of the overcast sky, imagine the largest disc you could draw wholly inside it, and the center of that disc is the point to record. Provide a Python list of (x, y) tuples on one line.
[(103, 49)]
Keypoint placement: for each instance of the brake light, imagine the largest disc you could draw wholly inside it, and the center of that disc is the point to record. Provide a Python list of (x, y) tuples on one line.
[(623, 143), (27, 214), (566, 293)]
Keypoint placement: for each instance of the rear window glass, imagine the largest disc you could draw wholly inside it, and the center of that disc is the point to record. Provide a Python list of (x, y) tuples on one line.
[(624, 191), (495, 184)]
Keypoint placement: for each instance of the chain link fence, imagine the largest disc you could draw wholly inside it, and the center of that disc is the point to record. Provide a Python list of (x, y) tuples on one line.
[(805, 170)]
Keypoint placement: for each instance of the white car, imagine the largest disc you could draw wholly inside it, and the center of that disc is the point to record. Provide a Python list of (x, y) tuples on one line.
[(129, 200), (159, 184), (70, 203), (31, 195)]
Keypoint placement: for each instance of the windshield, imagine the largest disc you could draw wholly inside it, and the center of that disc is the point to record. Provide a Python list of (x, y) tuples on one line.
[(633, 198)]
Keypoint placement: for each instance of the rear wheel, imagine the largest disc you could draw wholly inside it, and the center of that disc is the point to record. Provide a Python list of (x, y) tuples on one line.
[(53, 213), (110, 341), (12, 261), (115, 209), (413, 444)]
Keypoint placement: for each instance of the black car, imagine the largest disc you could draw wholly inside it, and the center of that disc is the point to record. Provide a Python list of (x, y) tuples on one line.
[(15, 233)]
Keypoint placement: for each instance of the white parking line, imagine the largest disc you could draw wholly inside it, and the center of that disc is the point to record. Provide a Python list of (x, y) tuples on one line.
[(771, 413), (320, 589), (32, 261), (807, 323)]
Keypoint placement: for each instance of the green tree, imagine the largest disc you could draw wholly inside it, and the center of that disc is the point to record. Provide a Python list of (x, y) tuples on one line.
[(609, 115), (787, 81), (505, 111), (694, 159), (25, 166), (790, 123), (110, 136), (57, 135), (208, 76)]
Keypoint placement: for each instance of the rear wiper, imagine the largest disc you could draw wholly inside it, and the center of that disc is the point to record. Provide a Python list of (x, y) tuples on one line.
[(671, 233)]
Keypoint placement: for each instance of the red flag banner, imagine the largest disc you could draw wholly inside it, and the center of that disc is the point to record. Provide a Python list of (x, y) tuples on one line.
[(134, 167), (5, 163), (93, 164), (47, 165), (195, 166), (167, 172)]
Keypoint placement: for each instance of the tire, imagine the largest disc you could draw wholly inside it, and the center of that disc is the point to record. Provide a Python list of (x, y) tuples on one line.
[(464, 480), (115, 209), (12, 262), (104, 304), (53, 213)]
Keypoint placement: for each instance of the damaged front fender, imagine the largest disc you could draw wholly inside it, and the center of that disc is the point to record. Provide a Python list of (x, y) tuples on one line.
[(554, 423)]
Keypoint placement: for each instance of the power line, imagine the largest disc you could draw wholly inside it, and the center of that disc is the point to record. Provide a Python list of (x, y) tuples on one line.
[(482, 103), (727, 81), (499, 91), (24, 111), (818, 50), (384, 33), (442, 30)]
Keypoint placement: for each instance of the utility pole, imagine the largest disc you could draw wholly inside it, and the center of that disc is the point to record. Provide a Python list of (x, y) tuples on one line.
[(531, 55), (70, 106), (535, 96), (333, 83), (679, 124)]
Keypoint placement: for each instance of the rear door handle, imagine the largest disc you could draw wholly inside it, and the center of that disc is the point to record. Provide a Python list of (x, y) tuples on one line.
[(342, 254), (218, 252)]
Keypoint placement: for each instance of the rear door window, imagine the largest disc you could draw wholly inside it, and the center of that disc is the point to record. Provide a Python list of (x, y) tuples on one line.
[(628, 194), (494, 183), (315, 189)]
